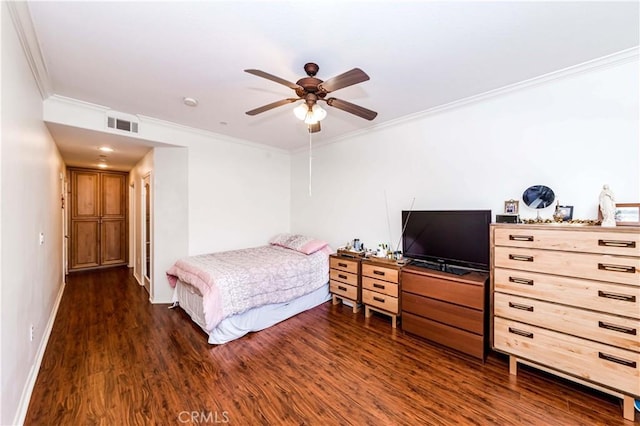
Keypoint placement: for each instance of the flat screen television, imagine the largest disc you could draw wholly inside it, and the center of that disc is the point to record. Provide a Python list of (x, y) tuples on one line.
[(453, 241)]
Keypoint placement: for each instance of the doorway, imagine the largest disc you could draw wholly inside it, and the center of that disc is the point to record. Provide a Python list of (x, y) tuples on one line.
[(146, 233), (98, 219)]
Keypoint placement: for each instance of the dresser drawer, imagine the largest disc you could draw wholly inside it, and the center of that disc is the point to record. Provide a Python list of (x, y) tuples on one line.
[(390, 289), (345, 277), (626, 244), (591, 361), (600, 296), (450, 291), (597, 326), (444, 334), (618, 269), (341, 289), (382, 301), (346, 265), (380, 272), (456, 316)]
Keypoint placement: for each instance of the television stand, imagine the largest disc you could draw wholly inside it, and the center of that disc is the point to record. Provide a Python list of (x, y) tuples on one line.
[(448, 309)]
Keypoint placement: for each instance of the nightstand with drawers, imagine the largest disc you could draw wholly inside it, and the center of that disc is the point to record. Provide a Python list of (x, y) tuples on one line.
[(381, 288), (344, 280)]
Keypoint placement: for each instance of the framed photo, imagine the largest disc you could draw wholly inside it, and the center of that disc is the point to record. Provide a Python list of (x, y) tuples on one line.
[(511, 207), (627, 214), (566, 212)]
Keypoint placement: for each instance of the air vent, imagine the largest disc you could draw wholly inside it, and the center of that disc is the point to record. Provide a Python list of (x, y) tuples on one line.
[(123, 122)]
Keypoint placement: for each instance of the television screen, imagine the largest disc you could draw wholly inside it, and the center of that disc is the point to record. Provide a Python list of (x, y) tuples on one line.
[(458, 238)]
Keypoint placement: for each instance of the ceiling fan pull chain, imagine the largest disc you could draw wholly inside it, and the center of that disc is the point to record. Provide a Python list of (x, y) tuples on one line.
[(310, 158)]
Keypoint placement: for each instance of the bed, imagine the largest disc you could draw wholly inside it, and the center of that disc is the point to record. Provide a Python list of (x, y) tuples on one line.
[(231, 293)]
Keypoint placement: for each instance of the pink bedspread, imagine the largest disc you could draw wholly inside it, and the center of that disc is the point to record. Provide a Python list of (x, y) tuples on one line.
[(235, 281)]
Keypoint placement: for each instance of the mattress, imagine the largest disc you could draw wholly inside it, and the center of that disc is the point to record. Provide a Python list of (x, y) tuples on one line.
[(256, 319)]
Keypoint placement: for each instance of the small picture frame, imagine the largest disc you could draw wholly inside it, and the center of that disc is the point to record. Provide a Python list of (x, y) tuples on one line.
[(511, 207), (566, 212), (627, 214)]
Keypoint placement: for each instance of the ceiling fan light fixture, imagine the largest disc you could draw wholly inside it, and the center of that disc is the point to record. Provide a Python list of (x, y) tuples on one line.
[(310, 118), (301, 111), (318, 112)]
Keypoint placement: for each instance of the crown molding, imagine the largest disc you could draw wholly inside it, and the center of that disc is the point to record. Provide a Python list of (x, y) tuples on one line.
[(609, 61), (23, 25)]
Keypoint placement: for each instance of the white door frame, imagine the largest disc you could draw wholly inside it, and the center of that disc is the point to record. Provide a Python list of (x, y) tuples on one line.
[(146, 235)]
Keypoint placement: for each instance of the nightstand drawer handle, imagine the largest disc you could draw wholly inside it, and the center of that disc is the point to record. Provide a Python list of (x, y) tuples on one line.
[(343, 265), (376, 285), (521, 258), (617, 268), (378, 299), (618, 328), (520, 281), (521, 237), (521, 307), (623, 297), (614, 243), (378, 273), (526, 334), (344, 277), (616, 359), (342, 288)]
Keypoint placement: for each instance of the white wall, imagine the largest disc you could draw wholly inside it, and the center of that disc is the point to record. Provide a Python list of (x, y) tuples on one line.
[(31, 274), (170, 226), (239, 195), (572, 134)]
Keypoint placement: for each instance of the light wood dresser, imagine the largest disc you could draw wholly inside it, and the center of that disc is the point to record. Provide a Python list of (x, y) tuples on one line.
[(344, 280), (566, 299), (381, 288)]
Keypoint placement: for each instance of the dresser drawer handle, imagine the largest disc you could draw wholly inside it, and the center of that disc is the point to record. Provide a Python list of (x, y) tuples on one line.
[(342, 288), (618, 328), (376, 285), (521, 307), (623, 297), (617, 268), (378, 299), (379, 273), (614, 243), (526, 334), (344, 277), (616, 359), (520, 281), (521, 258), (343, 265), (521, 237)]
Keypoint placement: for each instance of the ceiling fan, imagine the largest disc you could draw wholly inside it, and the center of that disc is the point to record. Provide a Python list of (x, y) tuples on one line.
[(312, 90)]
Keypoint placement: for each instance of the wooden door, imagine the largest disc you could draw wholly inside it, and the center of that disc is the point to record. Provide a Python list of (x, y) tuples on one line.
[(98, 219), (114, 212), (85, 219)]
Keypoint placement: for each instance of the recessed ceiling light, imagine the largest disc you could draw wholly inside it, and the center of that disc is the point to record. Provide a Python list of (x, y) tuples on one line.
[(103, 165), (192, 102), (106, 149)]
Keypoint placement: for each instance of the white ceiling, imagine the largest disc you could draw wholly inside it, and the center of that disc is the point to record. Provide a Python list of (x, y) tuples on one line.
[(144, 57)]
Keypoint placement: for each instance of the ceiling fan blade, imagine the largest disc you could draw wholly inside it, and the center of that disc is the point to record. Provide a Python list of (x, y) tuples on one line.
[(273, 78), (271, 106), (346, 79), (365, 113), (314, 128)]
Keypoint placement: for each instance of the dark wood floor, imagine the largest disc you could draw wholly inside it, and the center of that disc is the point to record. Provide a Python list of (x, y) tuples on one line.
[(115, 359)]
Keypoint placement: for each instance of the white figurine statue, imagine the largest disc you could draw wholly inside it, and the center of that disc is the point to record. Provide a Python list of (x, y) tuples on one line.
[(607, 206)]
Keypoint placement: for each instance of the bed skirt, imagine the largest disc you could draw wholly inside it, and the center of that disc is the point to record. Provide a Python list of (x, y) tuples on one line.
[(233, 327)]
